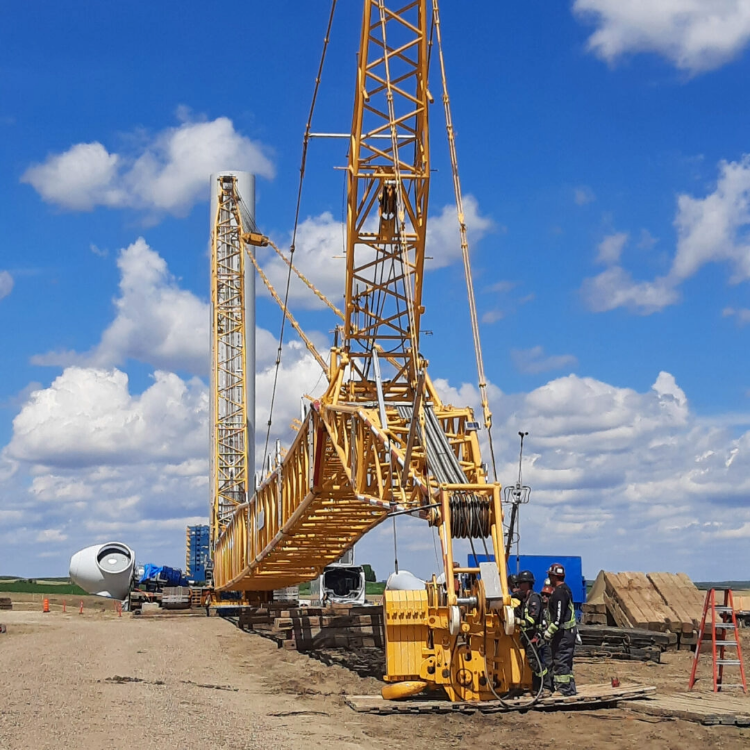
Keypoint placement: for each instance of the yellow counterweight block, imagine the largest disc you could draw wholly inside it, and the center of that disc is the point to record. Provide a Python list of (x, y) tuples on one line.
[(422, 654)]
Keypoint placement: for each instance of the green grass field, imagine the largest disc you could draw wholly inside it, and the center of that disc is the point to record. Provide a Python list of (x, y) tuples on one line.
[(47, 586)]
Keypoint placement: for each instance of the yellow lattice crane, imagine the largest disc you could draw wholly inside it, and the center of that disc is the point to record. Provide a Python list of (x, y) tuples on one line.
[(380, 441)]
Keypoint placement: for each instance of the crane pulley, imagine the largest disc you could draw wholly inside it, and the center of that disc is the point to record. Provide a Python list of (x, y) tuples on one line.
[(380, 441)]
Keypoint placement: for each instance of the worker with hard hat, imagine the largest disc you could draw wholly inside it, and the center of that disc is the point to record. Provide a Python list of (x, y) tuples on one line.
[(531, 623), (543, 646), (561, 631)]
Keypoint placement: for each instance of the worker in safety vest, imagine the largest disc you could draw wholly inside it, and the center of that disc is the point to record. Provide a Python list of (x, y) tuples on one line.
[(561, 631), (531, 625), (543, 647)]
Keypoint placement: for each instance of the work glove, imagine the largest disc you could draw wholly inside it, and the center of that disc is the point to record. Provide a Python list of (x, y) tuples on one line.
[(547, 635)]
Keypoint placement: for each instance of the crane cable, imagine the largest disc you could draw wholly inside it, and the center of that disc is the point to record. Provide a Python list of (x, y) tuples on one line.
[(306, 281), (305, 143), (464, 240), (249, 223), (288, 315)]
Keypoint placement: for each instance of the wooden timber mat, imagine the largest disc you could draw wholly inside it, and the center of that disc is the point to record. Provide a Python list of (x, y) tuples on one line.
[(715, 708), (589, 696)]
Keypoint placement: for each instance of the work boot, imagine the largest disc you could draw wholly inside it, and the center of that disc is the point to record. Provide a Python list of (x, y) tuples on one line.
[(569, 689)]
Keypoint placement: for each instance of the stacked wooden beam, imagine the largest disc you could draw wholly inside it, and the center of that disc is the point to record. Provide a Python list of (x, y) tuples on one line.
[(6, 602), (595, 613), (662, 602), (682, 595), (311, 628)]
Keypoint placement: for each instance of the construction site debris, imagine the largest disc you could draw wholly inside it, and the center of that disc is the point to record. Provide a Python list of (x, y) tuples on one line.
[(620, 643), (636, 637), (312, 628)]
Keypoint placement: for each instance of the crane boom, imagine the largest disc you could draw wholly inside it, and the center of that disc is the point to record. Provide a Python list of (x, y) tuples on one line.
[(388, 185), (380, 440)]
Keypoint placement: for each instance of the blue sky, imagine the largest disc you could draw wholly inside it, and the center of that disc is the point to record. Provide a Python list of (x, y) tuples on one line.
[(603, 145)]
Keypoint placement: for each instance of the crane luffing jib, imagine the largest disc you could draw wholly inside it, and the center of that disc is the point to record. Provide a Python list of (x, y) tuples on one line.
[(380, 440)]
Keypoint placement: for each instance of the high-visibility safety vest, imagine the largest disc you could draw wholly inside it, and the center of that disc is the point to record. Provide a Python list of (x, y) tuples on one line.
[(570, 623)]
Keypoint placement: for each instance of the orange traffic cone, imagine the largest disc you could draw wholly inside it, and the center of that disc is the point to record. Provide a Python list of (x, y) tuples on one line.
[(45, 605), (119, 609), (80, 609)]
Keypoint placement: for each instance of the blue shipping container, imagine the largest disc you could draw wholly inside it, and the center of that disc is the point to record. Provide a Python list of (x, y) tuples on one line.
[(539, 565)]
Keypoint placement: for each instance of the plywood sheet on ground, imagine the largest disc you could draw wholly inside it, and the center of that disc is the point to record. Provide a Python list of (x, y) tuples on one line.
[(588, 695), (719, 708)]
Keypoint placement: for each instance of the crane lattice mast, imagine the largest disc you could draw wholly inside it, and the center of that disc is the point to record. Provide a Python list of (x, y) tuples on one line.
[(230, 443)]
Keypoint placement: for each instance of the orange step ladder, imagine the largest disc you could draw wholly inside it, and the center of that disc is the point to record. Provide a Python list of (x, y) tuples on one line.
[(717, 625)]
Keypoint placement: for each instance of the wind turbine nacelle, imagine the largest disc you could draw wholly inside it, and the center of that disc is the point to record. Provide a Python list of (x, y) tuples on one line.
[(104, 569)]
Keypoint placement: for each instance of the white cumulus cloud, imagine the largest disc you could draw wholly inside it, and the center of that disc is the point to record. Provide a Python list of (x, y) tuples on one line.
[(714, 228), (89, 417), (615, 288), (694, 35), (611, 247), (583, 195), (6, 284), (534, 360), (443, 238), (607, 463), (711, 229), (167, 174), (156, 321), (741, 315)]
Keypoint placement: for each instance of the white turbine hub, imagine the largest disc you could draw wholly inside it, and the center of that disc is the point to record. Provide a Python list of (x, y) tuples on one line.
[(104, 569)]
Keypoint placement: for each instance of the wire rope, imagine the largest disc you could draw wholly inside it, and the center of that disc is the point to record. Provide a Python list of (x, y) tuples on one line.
[(305, 143), (464, 239)]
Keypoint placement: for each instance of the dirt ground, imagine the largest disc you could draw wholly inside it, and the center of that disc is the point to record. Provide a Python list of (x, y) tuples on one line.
[(97, 680)]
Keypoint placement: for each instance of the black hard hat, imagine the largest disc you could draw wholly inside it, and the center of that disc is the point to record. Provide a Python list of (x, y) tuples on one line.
[(512, 580), (526, 576)]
